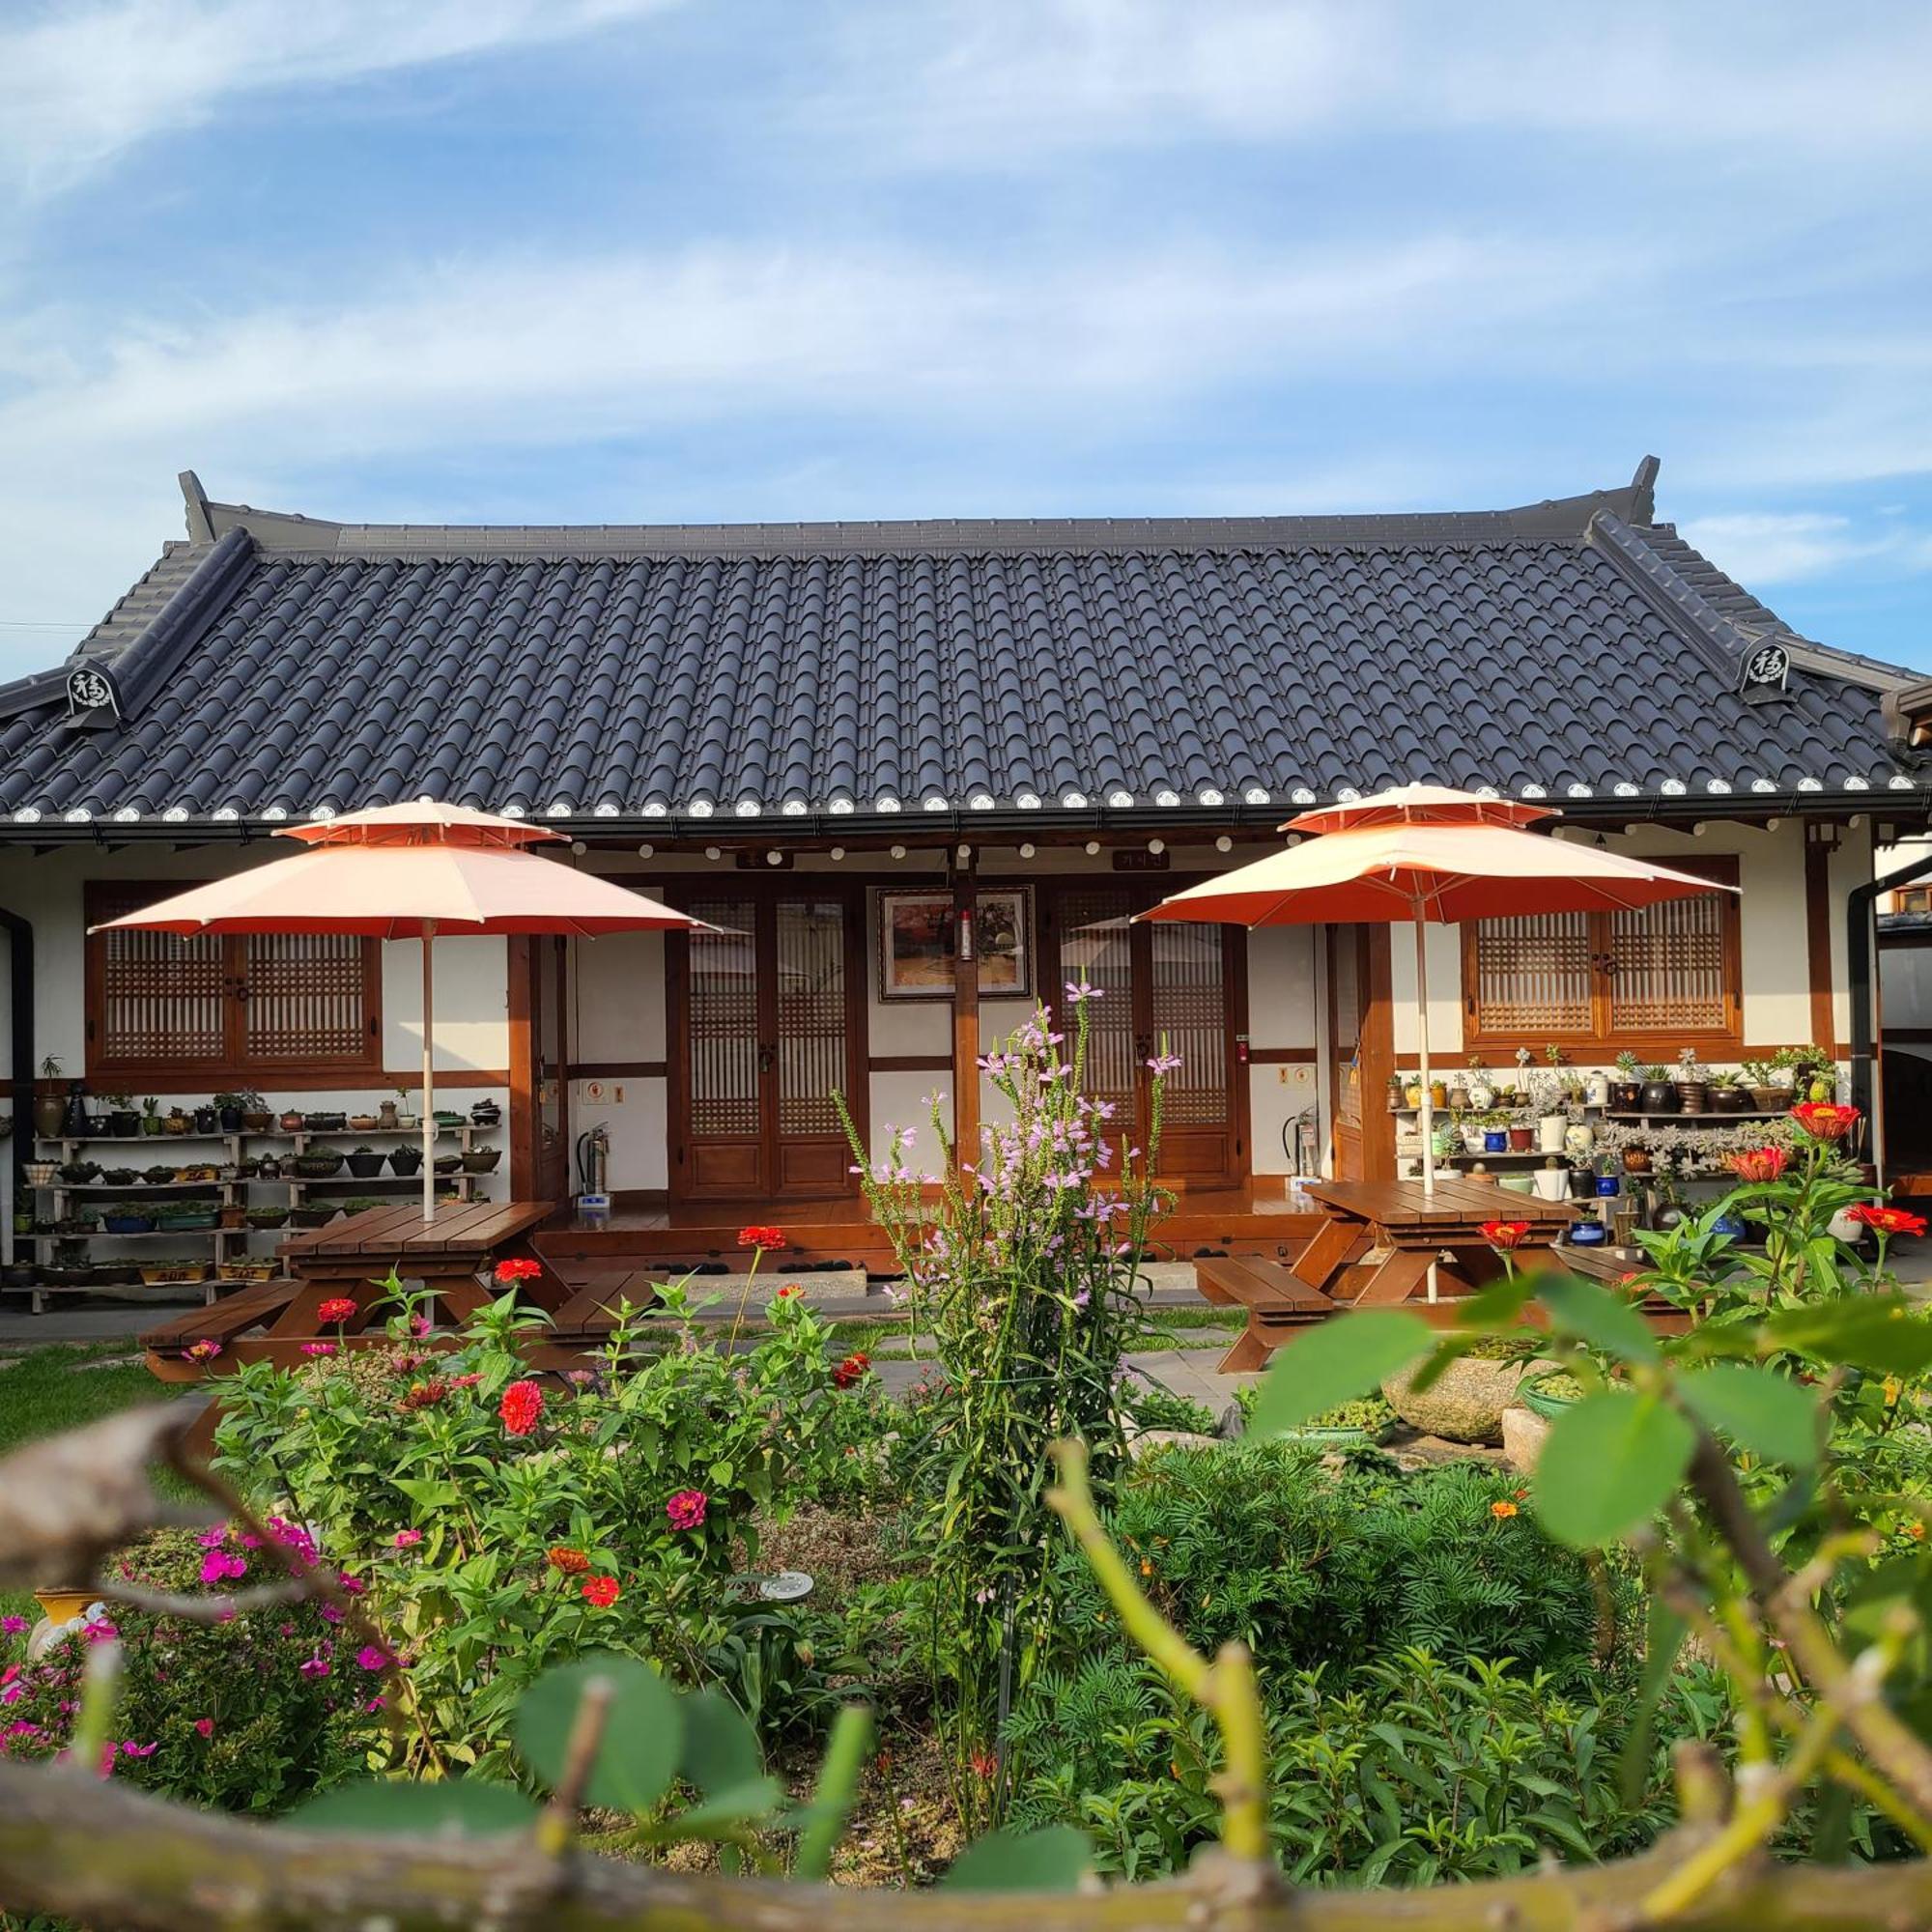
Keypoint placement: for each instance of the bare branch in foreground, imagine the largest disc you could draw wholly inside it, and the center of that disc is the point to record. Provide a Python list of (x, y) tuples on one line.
[(109, 1856), (72, 1499)]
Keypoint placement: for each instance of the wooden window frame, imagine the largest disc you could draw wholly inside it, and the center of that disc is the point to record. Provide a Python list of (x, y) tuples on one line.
[(1600, 1042), (103, 898)]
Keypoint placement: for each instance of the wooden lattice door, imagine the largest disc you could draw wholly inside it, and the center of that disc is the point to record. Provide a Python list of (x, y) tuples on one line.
[(768, 1025), (1172, 988)]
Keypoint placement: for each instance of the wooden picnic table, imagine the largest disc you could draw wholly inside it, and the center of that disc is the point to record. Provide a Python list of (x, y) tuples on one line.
[(1375, 1249)]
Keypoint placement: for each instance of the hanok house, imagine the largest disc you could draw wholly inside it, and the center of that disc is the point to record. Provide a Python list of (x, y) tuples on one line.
[(924, 773)]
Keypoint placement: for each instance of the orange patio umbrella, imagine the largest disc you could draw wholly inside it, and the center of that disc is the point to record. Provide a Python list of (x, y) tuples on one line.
[(1422, 854), (411, 871)]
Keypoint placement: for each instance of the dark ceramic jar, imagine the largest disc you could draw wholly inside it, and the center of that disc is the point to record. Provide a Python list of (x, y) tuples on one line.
[(1661, 1096)]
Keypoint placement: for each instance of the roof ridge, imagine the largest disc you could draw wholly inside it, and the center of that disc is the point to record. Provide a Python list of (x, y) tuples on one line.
[(1553, 520)]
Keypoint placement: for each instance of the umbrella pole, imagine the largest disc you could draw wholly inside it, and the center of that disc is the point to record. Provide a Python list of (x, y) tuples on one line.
[(429, 1074), (1426, 1113)]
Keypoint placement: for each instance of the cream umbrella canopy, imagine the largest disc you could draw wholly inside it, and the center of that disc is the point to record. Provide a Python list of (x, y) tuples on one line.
[(1425, 854), (413, 872)]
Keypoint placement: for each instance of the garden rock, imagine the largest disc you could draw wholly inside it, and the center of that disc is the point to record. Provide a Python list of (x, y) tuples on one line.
[(1524, 1433), (1467, 1405), (1150, 1440)]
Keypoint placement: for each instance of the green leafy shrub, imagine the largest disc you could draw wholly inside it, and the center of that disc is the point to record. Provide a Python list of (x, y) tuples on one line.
[(1418, 1772), (505, 1522), (1307, 1565), (251, 1714)]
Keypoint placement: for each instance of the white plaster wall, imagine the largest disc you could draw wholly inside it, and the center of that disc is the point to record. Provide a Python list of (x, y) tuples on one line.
[(1284, 1010), (1776, 974)]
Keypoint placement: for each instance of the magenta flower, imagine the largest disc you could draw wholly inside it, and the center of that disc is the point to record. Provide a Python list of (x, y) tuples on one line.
[(204, 1727), (372, 1657), (318, 1349), (218, 1564), (315, 1667), (213, 1539), (12, 1626), (687, 1509), (139, 1751), (376, 1704), (355, 1585), (406, 1539), (331, 1613)]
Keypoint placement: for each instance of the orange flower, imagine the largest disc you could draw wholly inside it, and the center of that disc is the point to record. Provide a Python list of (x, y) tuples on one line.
[(1504, 1234), (1824, 1121), (853, 1369), (1502, 1510), (1887, 1221), (1893, 1388), (1146, 1568), (767, 1240), (571, 1562), (1764, 1163), (600, 1592), (1916, 1531), (790, 1291)]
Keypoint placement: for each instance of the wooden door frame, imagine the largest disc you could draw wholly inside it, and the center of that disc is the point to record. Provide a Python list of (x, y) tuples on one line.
[(526, 1057), (764, 892), (1152, 888)]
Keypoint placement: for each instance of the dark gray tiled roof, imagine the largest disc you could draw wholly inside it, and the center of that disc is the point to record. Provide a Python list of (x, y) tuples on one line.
[(1572, 647)]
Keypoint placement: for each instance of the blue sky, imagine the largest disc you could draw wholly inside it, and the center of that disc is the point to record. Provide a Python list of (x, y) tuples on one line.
[(684, 259)]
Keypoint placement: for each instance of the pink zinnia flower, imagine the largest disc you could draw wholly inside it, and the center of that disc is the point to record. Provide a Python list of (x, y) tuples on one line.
[(406, 1539), (318, 1349), (204, 1727), (687, 1508)]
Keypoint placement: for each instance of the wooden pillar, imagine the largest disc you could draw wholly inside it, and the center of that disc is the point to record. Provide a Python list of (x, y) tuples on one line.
[(1378, 1057), (965, 1012)]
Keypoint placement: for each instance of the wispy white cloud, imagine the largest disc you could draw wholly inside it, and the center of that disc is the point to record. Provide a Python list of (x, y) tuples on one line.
[(81, 84), (1790, 546), (1002, 82)]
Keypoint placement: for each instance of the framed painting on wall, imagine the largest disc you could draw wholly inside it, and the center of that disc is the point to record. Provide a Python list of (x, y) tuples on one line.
[(915, 940)]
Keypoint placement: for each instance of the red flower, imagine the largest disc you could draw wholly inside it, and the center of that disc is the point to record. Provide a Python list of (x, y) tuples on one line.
[(521, 1404), (767, 1240), (790, 1291), (522, 1267), (426, 1395), (1887, 1220), (855, 1368), (572, 1562), (601, 1592), (1824, 1121), (337, 1308), (687, 1508), (465, 1382), (1764, 1163), (1504, 1234)]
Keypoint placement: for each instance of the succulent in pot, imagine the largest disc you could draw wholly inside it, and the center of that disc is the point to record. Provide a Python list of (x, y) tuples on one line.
[(228, 1111), (151, 1115), (126, 1217), (406, 1160), (365, 1163), (1660, 1092), (177, 1122), (207, 1118), (313, 1214), (121, 1120), (49, 1101), (481, 1160), (448, 1163), (318, 1164), (268, 1217), (326, 1123), (158, 1176)]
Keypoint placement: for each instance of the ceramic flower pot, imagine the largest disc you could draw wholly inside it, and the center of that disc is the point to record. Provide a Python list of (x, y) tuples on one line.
[(1552, 1183), (1637, 1160), (1550, 1132), (1521, 1139), (1627, 1096), (1694, 1096), (1661, 1096)]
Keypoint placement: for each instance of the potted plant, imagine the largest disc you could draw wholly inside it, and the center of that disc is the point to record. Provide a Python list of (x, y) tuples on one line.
[(1693, 1083), (177, 1122), (360, 1204), (49, 1101), (1814, 1074), (1660, 1092), (318, 1164), (234, 1214), (207, 1118), (406, 1160), (270, 1166), (158, 1176), (486, 1113), (479, 1160), (121, 1120), (448, 1163), (227, 1112), (313, 1214), (325, 1124), (256, 1115), (266, 1217), (292, 1121), (361, 1123), (1627, 1093), (1520, 1135), (126, 1217), (365, 1163), (1728, 1092), (23, 1220), (151, 1115)]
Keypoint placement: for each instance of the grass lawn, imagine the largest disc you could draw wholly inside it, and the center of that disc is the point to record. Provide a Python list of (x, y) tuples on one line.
[(58, 1388)]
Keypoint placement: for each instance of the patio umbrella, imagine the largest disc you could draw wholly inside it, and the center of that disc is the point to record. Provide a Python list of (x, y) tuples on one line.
[(1422, 854), (411, 871)]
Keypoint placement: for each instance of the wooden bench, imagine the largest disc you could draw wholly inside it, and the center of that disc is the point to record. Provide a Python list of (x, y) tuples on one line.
[(1277, 1299)]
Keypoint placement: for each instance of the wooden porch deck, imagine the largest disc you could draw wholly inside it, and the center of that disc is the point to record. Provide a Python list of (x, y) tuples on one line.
[(1245, 1220)]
